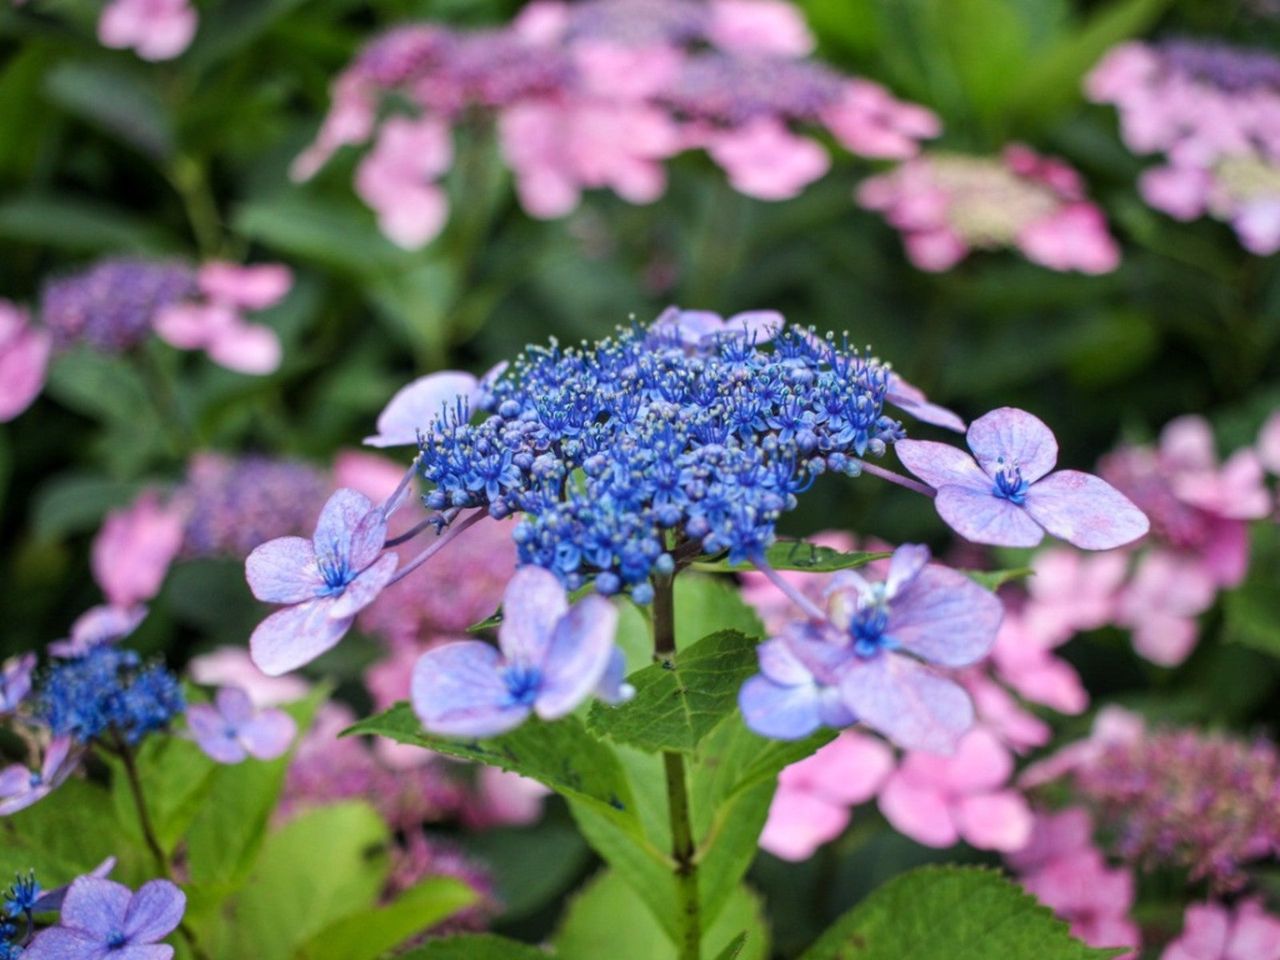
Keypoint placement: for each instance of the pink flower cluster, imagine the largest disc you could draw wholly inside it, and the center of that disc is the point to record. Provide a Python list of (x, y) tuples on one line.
[(1213, 112), (1213, 931), (1199, 540), (600, 94), (1182, 798), (947, 204), (1064, 870)]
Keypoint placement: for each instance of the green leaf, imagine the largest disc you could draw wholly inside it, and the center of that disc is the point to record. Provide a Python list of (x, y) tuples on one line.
[(561, 755), (117, 99), (1053, 79), (371, 933), (98, 386), (1252, 610), (232, 25), (65, 835), (175, 776), (995, 579), (482, 946), (76, 503), (341, 236), (951, 913), (69, 223), (227, 833), (606, 920), (734, 950), (798, 555), (324, 865), (681, 699)]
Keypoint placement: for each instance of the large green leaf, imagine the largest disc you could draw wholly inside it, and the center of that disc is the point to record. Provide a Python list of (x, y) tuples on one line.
[(371, 933), (66, 834), (340, 236), (799, 555), (325, 865), (1252, 610), (175, 777), (561, 755), (680, 699), (117, 99), (606, 920), (69, 223), (482, 946), (951, 913)]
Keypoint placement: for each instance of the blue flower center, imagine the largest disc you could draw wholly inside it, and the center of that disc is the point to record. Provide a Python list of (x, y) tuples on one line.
[(336, 572), (1010, 485), (868, 626), (36, 779), (522, 683), (117, 941)]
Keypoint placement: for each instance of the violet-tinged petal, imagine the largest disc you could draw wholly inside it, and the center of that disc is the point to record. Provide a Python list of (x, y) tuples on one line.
[(459, 690), (102, 624), (904, 566), (268, 735), (940, 465), (944, 617), (613, 688), (154, 912), (577, 656), (415, 406), (342, 532), (212, 734), (1085, 510), (96, 906), (532, 604), (59, 943), (912, 400), (783, 713), (368, 539), (14, 779), (296, 635), (779, 664), (1009, 437), (907, 702), (364, 589), (758, 326), (148, 951), (234, 704), (15, 681), (983, 517), (51, 900), (284, 570), (56, 767)]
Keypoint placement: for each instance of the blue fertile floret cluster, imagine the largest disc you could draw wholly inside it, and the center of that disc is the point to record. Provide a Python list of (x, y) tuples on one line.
[(109, 690)]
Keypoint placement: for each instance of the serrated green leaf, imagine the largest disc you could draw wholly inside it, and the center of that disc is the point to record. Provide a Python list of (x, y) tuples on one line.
[(561, 755), (798, 555), (606, 920), (951, 913), (371, 933), (116, 99), (481, 946), (681, 699)]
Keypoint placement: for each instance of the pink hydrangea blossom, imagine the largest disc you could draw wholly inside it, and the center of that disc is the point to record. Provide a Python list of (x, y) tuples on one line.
[(233, 667), (154, 29), (941, 800), (1213, 931), (814, 796), (947, 204), (397, 179), (24, 357), (769, 27), (132, 552)]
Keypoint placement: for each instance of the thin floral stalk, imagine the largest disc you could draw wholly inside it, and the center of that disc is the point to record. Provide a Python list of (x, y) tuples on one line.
[(683, 848), (435, 520), (439, 544), (810, 608), (899, 479)]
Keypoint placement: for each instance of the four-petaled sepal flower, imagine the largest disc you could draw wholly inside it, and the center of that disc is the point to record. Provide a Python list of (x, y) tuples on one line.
[(104, 919), (231, 728)]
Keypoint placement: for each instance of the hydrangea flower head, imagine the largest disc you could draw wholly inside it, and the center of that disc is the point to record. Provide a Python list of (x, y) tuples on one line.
[(111, 305), (108, 691), (231, 728), (1213, 931), (102, 918), (21, 787), (1005, 494), (871, 662), (550, 657), (324, 582)]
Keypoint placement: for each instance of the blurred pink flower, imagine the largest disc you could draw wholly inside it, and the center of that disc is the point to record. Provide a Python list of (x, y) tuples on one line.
[(1070, 591), (1213, 931), (1023, 658), (132, 552), (868, 120), (154, 29), (233, 667), (24, 356), (999, 712), (766, 161), (504, 799), (814, 796), (1093, 898), (770, 27), (397, 179), (940, 800), (1161, 603), (375, 476), (1268, 446), (1113, 726)]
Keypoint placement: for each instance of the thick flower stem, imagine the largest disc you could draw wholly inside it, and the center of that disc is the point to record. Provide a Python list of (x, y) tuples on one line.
[(683, 848), (152, 841)]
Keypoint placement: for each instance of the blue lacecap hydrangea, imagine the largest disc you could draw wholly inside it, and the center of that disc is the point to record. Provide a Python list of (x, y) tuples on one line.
[(109, 690), (625, 454)]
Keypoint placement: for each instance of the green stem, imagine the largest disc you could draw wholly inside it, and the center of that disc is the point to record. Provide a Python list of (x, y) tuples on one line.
[(152, 841), (189, 180), (683, 847)]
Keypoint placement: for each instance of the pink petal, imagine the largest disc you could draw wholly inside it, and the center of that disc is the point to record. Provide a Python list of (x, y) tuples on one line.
[(911, 399), (919, 812), (982, 517), (24, 357), (1256, 934), (799, 823), (132, 552), (765, 160), (580, 650), (191, 326), (532, 605), (1012, 438), (995, 821), (458, 691), (295, 636), (908, 703), (284, 570), (769, 27), (1181, 192), (935, 250), (249, 348), (1268, 443), (849, 770), (414, 407), (1204, 933), (1085, 510), (941, 465), (246, 287)]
